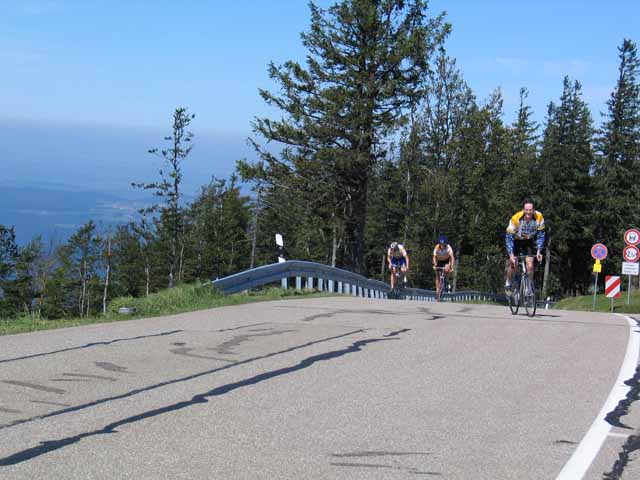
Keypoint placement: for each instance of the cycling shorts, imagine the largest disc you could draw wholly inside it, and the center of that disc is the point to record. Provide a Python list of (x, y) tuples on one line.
[(442, 263), (524, 247), (398, 261)]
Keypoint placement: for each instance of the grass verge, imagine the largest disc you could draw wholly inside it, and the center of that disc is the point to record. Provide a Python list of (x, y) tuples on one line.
[(603, 304), (183, 298)]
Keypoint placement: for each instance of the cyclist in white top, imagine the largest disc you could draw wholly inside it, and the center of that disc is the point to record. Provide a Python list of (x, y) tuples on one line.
[(397, 257)]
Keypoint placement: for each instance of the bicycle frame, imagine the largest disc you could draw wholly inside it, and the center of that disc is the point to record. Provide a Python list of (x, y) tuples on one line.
[(442, 284), (523, 292)]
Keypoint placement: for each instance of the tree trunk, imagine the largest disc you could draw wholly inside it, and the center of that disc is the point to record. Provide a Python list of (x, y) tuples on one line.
[(107, 277), (455, 267), (354, 224), (147, 274), (547, 266), (180, 269), (254, 232)]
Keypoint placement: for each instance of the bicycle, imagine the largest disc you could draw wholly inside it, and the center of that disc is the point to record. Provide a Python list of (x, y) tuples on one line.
[(523, 291), (399, 281), (443, 285)]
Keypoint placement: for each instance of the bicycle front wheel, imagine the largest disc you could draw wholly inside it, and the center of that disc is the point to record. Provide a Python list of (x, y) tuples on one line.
[(529, 296), (514, 301)]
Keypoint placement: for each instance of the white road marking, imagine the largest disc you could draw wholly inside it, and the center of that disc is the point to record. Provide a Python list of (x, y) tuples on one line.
[(590, 445)]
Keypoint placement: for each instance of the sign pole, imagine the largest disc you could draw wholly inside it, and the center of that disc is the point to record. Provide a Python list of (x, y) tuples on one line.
[(629, 291), (611, 304), (595, 290)]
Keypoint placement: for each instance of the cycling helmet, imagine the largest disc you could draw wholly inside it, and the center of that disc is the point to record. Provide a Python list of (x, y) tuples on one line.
[(442, 240), (393, 245)]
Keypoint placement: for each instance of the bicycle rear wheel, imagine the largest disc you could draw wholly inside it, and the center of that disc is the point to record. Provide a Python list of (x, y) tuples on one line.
[(529, 296)]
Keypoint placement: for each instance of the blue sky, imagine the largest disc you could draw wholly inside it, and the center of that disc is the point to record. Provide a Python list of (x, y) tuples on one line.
[(107, 74)]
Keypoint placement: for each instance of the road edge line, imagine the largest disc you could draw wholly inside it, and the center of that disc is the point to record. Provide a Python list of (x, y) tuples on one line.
[(591, 443)]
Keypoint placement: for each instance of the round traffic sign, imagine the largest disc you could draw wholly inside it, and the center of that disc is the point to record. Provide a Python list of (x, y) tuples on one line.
[(599, 251), (632, 237), (631, 254)]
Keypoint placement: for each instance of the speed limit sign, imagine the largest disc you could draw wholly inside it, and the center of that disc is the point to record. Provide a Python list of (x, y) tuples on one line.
[(631, 254), (632, 237)]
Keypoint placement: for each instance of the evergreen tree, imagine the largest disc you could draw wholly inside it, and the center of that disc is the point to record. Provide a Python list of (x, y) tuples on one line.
[(566, 161), (169, 188), (77, 272), (8, 258), (618, 154), (367, 61)]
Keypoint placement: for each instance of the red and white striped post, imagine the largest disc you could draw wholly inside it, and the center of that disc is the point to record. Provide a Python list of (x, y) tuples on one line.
[(612, 288)]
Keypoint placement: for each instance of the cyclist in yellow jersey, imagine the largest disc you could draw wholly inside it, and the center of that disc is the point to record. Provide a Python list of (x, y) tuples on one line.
[(443, 258), (525, 236)]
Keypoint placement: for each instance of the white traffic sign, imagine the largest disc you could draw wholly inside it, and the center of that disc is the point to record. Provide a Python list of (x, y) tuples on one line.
[(612, 286), (632, 237), (629, 268), (631, 254)]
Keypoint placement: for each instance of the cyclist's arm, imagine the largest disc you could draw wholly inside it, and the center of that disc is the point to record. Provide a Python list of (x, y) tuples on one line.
[(452, 258), (540, 239), (406, 257), (508, 240), (389, 258)]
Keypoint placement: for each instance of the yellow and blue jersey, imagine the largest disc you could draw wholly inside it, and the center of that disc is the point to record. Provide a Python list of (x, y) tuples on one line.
[(521, 229)]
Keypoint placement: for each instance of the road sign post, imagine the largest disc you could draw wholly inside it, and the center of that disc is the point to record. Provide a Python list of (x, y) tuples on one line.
[(598, 252), (612, 288), (631, 253), (597, 268), (630, 269)]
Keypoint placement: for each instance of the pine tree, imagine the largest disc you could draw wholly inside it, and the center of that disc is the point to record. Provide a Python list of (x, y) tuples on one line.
[(169, 188), (618, 154), (8, 259), (367, 61), (566, 161)]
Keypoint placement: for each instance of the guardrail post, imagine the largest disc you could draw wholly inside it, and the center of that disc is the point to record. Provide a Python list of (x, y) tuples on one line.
[(354, 290), (309, 283), (320, 284), (331, 286), (298, 283), (284, 283)]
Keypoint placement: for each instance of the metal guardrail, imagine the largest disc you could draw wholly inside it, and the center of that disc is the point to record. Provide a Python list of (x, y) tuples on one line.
[(331, 279), (318, 276)]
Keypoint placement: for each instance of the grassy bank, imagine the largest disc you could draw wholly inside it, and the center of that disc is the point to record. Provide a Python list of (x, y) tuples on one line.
[(184, 298), (603, 304)]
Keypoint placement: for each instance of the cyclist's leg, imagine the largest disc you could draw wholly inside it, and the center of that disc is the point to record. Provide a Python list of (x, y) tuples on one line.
[(531, 251), (393, 272), (510, 267)]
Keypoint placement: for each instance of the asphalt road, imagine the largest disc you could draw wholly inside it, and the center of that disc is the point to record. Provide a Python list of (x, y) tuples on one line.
[(327, 388)]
